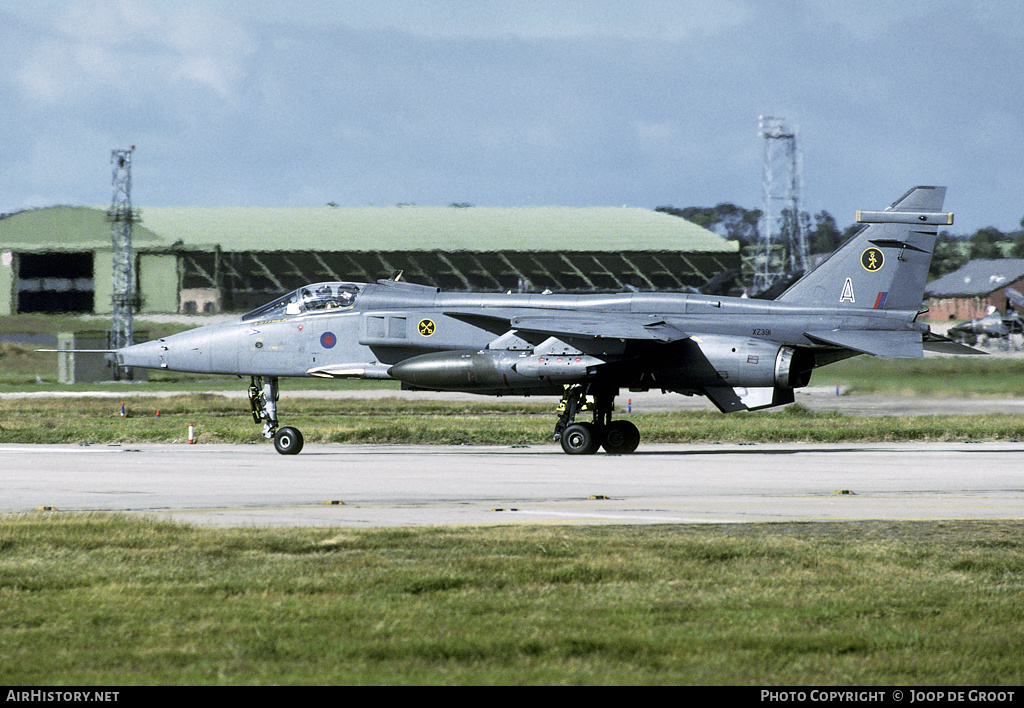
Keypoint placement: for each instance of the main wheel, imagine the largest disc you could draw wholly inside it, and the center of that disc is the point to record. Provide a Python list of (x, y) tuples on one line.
[(621, 437), (288, 441), (580, 439)]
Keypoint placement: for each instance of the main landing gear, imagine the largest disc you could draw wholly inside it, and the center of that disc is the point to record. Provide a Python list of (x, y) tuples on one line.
[(263, 397), (618, 437)]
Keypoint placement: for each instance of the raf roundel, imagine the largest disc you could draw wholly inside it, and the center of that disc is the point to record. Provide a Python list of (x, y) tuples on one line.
[(328, 340)]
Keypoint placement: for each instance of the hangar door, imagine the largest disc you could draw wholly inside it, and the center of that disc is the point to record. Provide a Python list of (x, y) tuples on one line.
[(55, 282)]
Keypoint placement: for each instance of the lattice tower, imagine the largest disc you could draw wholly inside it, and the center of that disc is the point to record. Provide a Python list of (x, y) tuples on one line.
[(782, 241), (125, 297)]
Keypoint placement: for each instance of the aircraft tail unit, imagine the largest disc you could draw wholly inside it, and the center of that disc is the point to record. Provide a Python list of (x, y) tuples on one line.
[(885, 265)]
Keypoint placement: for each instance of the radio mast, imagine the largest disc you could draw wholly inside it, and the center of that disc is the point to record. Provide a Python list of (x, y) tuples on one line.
[(781, 224), (124, 298)]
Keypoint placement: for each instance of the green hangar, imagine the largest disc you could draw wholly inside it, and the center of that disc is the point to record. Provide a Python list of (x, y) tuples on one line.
[(208, 259)]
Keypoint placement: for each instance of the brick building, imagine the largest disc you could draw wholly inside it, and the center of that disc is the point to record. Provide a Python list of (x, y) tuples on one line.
[(970, 291)]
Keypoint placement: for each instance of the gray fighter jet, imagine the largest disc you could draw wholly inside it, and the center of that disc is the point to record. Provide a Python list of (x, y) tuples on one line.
[(743, 354), (994, 325)]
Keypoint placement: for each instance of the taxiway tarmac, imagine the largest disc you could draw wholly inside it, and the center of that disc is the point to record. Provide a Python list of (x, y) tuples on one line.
[(378, 485)]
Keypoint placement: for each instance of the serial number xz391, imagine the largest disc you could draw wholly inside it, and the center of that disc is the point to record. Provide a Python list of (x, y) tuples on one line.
[(762, 332)]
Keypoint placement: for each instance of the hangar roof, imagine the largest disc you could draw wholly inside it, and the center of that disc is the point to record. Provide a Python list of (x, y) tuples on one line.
[(398, 228), (978, 277), (64, 228)]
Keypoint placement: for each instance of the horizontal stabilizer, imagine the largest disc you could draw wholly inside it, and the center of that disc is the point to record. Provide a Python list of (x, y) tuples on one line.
[(944, 345), (904, 344), (952, 348)]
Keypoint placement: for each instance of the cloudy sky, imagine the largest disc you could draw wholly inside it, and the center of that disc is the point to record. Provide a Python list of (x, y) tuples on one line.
[(512, 102)]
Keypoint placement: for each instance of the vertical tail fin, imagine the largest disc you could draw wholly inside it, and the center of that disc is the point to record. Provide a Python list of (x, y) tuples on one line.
[(885, 265)]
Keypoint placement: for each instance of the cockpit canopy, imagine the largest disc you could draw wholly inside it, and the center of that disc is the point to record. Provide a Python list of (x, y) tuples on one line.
[(319, 297)]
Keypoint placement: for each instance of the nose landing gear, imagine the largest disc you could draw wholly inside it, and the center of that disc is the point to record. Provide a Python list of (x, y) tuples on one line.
[(263, 396)]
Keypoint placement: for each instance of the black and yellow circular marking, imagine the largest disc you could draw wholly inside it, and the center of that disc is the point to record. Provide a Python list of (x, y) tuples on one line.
[(426, 327), (872, 259)]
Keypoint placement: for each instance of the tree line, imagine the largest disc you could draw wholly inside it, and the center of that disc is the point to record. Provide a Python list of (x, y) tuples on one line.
[(823, 235)]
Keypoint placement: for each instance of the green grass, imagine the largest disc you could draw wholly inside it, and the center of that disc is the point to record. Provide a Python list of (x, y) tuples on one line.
[(105, 599), (947, 377), (486, 422)]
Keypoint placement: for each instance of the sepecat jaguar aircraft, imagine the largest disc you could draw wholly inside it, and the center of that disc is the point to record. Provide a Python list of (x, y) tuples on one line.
[(743, 354)]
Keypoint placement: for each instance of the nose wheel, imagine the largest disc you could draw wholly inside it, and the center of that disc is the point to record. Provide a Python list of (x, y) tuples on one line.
[(288, 441), (263, 395)]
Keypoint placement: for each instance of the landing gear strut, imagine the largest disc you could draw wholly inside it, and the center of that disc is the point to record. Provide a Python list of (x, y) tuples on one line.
[(263, 395), (618, 437)]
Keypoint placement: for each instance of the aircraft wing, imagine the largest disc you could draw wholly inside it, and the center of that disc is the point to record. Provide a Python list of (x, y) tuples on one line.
[(582, 325), (600, 327), (895, 345), (495, 324)]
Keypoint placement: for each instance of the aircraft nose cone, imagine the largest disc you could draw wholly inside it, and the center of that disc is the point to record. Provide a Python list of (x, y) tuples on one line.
[(145, 355)]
